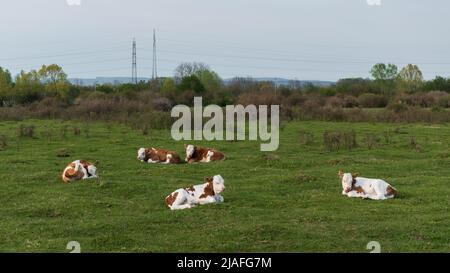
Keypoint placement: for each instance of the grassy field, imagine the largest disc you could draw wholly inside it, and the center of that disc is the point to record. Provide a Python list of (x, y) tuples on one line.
[(286, 201)]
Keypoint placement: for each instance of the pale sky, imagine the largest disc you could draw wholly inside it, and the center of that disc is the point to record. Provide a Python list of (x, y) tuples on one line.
[(302, 39)]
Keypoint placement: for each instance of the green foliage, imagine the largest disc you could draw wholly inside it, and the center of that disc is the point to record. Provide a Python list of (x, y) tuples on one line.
[(169, 88), (383, 72), (411, 78), (370, 100), (192, 83)]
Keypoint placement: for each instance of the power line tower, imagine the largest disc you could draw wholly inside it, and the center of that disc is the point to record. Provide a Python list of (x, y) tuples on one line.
[(155, 68), (134, 64)]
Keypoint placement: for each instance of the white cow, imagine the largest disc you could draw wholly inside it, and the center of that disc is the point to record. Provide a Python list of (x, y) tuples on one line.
[(376, 189), (209, 192)]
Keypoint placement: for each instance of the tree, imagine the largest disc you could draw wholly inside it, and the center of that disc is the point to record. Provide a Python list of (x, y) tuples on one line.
[(411, 77), (54, 79), (210, 80), (192, 83), (184, 70), (6, 85), (385, 78), (383, 72), (169, 88), (28, 87)]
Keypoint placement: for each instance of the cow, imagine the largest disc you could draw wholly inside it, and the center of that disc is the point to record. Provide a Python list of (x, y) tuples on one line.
[(376, 189), (200, 154), (79, 170), (153, 155), (209, 192)]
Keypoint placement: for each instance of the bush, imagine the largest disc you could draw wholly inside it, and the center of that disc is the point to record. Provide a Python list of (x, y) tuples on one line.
[(306, 138), (370, 100), (63, 153), (334, 141), (3, 142), (415, 145), (305, 178), (76, 131), (371, 141), (397, 107), (27, 131)]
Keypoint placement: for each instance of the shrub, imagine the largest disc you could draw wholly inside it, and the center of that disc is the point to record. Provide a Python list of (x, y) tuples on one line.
[(371, 141), (305, 178), (27, 131), (370, 100), (306, 138), (3, 142), (387, 136), (444, 101), (76, 131), (415, 145), (397, 107), (63, 131), (63, 153), (334, 141)]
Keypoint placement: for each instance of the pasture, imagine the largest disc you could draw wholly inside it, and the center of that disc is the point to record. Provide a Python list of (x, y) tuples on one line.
[(285, 201)]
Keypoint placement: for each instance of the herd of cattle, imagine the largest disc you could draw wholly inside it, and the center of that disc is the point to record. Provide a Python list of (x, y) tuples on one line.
[(210, 191)]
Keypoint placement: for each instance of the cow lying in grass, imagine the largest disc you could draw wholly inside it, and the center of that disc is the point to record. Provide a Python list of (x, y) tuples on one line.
[(376, 189), (79, 170), (200, 154), (206, 193), (153, 155)]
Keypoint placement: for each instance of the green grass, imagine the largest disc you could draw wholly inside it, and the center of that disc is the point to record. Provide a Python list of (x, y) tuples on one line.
[(289, 201)]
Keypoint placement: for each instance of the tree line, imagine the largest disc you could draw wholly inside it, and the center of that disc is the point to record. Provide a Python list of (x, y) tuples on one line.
[(389, 85)]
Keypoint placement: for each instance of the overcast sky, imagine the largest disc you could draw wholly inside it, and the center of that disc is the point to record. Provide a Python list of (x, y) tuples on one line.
[(303, 39)]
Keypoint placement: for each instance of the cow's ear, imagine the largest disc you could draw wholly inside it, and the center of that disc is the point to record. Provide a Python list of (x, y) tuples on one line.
[(208, 179), (341, 174), (185, 146), (355, 175)]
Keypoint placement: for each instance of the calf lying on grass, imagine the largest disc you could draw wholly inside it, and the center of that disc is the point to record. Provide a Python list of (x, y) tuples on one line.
[(153, 155), (79, 170), (200, 154), (206, 193), (376, 189)]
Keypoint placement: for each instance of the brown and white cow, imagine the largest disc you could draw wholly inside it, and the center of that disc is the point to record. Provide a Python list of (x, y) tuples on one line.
[(200, 154), (209, 192), (79, 170), (154, 155), (376, 189)]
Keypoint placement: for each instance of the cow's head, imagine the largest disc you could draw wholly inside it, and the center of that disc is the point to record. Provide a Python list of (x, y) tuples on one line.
[(347, 180), (218, 183), (190, 149), (142, 153)]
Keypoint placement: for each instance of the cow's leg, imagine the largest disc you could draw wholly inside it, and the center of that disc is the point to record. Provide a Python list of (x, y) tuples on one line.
[(352, 194), (181, 202), (209, 155), (168, 159), (379, 193), (206, 200), (152, 161)]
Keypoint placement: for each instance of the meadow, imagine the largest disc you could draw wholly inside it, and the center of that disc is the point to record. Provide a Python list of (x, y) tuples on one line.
[(284, 201)]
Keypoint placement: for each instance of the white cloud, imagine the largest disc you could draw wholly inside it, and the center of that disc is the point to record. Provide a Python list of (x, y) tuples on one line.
[(374, 2), (73, 2)]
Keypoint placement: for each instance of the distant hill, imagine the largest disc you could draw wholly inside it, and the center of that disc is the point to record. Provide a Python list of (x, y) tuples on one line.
[(122, 80), (103, 80), (282, 81)]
